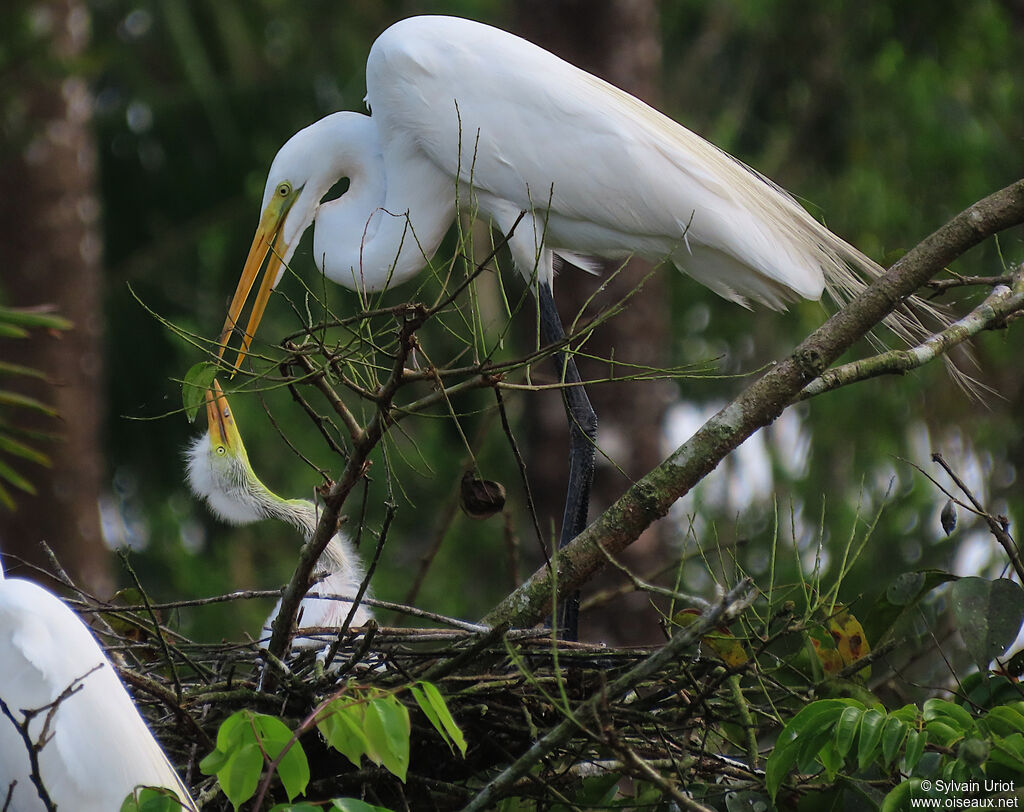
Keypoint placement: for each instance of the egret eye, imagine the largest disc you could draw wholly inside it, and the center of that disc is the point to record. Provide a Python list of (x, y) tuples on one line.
[(284, 189), (221, 450)]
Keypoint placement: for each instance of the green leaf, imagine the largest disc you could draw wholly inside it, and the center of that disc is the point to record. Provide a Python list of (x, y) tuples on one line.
[(953, 714), (431, 714), (232, 729), (15, 479), (16, 400), (439, 715), (342, 727), (803, 735), (988, 616), (1009, 752), (242, 740), (388, 729), (10, 331), (151, 799), (7, 368), (293, 770), (846, 729), (303, 807), (193, 388), (892, 737), (871, 728), (830, 759), (942, 733), (240, 774), (213, 762), (906, 714), (916, 740), (1006, 720), (899, 799), (275, 736), (354, 805), (19, 449), (34, 317), (905, 592)]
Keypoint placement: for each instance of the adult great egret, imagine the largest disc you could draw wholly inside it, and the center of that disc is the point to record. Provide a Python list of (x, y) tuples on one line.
[(463, 111), (219, 472), (94, 747)]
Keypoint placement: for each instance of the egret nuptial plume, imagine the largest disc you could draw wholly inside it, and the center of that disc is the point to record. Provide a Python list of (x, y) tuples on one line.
[(561, 162), (219, 472), (98, 747)]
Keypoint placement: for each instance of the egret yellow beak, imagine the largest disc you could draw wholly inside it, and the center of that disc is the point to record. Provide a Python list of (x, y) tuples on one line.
[(220, 422), (267, 241)]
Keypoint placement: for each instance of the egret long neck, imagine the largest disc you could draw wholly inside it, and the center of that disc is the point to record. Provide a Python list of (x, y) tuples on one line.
[(299, 513), (389, 223)]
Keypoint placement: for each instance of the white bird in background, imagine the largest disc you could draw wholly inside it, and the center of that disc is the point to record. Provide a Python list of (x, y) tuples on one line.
[(97, 747), (463, 111), (219, 472)]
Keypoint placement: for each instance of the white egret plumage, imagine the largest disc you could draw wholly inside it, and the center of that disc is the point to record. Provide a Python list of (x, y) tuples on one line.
[(219, 472), (96, 748), (461, 111)]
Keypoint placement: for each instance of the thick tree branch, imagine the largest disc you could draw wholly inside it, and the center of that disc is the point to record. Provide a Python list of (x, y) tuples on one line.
[(759, 405)]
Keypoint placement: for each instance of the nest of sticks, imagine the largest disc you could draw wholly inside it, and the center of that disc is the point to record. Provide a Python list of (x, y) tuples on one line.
[(635, 712)]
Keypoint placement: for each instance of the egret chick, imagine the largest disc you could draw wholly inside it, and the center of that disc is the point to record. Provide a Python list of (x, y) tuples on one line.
[(219, 472), (97, 747)]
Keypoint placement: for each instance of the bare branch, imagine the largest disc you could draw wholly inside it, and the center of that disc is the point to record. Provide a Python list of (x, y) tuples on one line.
[(992, 313)]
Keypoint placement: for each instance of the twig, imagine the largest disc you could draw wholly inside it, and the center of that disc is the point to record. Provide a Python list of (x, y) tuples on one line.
[(65, 579), (746, 720), (441, 669), (332, 652), (648, 773), (615, 592), (642, 586), (959, 281), (172, 702), (998, 526), (872, 656), (33, 756), (34, 748), (990, 314), (531, 506), (319, 381), (156, 623)]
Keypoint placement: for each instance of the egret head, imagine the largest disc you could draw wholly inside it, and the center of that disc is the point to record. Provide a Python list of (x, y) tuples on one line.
[(219, 469), (302, 173)]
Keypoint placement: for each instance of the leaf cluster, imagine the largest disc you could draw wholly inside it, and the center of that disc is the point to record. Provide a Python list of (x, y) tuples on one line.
[(18, 441)]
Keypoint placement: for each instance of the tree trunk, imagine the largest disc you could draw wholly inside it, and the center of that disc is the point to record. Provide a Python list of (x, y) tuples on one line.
[(52, 251), (619, 41)]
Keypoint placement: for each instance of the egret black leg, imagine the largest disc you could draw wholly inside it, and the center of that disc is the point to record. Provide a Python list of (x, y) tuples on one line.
[(582, 437)]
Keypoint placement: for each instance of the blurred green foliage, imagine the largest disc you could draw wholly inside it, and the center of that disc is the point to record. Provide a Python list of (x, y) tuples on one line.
[(885, 119)]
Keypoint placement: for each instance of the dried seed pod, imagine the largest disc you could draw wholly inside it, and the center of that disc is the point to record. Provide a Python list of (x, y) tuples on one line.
[(948, 517), (480, 498)]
